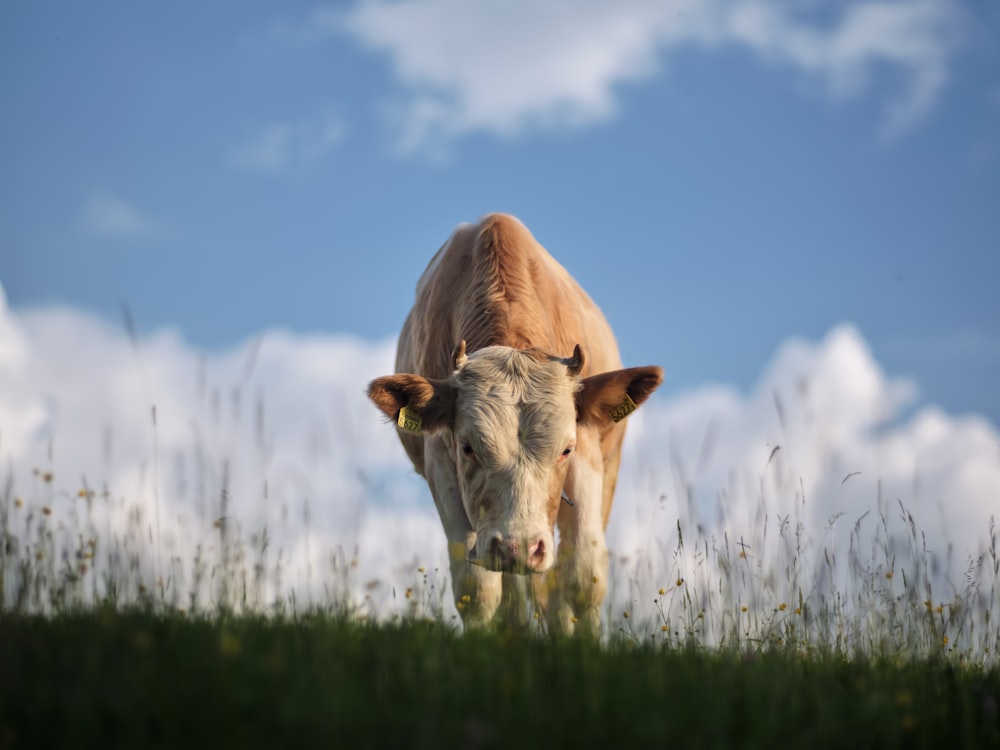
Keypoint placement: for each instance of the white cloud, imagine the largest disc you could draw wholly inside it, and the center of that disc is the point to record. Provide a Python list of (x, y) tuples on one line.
[(277, 434), (503, 67), (287, 146), (108, 216)]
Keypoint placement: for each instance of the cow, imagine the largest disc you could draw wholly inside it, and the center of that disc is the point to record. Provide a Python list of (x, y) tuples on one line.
[(509, 398)]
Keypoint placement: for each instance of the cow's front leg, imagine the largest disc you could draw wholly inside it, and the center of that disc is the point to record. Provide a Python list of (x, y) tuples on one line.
[(477, 591), (579, 583)]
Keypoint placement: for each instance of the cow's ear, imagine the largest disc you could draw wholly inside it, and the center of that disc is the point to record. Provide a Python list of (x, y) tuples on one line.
[(415, 403), (612, 396)]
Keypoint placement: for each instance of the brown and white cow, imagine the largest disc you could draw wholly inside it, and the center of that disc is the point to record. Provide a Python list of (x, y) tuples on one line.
[(512, 437)]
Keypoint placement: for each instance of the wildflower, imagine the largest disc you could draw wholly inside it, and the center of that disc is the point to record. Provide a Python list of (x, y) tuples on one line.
[(663, 628), (536, 615), (680, 581), (662, 592), (18, 502), (944, 641), (594, 579), (782, 607), (420, 569), (625, 614), (459, 606), (743, 608), (743, 554), (46, 511), (798, 610), (701, 615), (47, 477), (939, 609), (889, 575), (573, 620), (409, 593)]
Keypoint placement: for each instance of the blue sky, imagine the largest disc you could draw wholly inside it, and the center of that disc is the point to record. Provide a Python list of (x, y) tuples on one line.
[(720, 176)]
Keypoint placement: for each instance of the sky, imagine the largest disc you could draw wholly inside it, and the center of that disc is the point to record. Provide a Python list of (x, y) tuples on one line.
[(793, 208)]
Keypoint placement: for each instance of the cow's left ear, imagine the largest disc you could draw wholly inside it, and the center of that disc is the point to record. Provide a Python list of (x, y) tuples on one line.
[(612, 396), (415, 403)]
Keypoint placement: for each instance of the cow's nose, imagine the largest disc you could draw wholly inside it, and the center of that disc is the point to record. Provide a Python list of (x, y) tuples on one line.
[(516, 555)]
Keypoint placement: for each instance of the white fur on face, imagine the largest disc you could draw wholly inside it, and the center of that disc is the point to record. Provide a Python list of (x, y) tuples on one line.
[(515, 417)]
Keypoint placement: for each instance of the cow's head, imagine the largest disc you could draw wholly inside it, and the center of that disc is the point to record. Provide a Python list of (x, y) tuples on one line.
[(511, 420)]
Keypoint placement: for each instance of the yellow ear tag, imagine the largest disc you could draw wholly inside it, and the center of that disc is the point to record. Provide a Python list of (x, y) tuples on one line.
[(409, 420), (626, 407)]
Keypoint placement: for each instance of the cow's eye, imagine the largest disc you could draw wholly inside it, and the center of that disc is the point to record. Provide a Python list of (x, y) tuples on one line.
[(468, 451), (565, 454)]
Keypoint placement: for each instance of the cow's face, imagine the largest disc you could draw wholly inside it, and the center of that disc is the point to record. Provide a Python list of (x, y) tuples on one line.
[(513, 433), (511, 420)]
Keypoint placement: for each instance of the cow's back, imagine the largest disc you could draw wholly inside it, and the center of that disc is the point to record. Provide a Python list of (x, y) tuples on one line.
[(491, 284)]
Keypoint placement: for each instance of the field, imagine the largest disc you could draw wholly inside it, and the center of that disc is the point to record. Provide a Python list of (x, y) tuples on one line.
[(141, 680), (96, 648)]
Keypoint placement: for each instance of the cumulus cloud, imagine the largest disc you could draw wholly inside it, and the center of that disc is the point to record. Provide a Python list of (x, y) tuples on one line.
[(109, 216), (502, 67), (182, 448), (290, 145)]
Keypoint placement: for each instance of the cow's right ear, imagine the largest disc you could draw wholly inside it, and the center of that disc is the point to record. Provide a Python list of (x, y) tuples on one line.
[(415, 403)]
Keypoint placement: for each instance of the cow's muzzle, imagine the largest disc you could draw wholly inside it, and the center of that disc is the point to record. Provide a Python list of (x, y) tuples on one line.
[(506, 555)]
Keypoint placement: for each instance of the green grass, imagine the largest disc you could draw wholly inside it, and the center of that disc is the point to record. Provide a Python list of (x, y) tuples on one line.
[(139, 680)]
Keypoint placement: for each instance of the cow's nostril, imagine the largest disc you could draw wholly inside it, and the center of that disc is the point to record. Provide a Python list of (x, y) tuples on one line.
[(496, 550), (536, 554)]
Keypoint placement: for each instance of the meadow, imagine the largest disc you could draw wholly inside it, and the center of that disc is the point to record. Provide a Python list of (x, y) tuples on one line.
[(752, 642)]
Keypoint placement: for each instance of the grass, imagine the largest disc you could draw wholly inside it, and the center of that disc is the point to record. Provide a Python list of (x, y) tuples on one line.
[(146, 680)]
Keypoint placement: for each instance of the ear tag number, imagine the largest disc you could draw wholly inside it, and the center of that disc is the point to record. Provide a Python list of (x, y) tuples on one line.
[(626, 407), (409, 420)]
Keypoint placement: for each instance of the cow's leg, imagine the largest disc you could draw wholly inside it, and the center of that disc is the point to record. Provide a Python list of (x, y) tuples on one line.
[(477, 591), (580, 583)]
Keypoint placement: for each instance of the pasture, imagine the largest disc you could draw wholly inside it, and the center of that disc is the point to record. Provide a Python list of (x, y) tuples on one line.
[(98, 646), (147, 680)]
